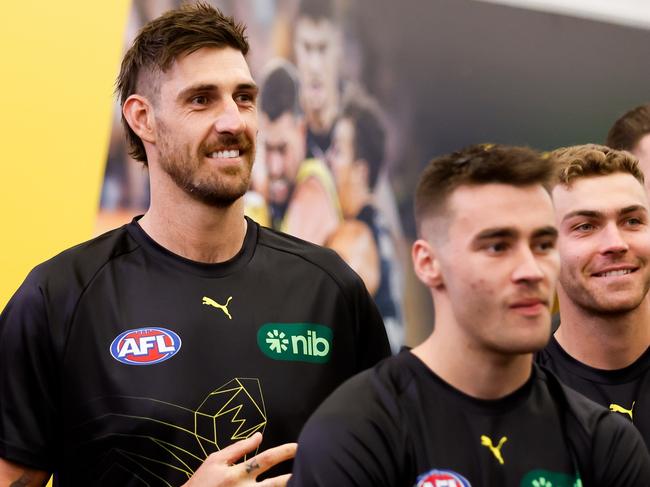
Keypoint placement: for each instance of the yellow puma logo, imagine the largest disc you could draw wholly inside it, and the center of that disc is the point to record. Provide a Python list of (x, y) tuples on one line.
[(620, 409), (222, 307), (496, 450)]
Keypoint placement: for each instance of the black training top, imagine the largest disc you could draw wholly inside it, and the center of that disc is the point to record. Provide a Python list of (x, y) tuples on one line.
[(399, 424), (625, 391), (124, 364)]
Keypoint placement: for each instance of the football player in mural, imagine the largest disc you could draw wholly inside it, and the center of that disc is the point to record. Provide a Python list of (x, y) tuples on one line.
[(357, 156), (317, 50), (297, 188)]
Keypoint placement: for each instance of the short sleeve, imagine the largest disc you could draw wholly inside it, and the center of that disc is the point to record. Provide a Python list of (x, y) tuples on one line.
[(620, 456), (28, 419), (351, 440), (372, 340)]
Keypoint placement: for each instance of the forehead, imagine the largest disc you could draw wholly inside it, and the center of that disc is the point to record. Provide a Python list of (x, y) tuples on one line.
[(208, 66), (476, 208), (281, 128), (599, 193), (314, 31)]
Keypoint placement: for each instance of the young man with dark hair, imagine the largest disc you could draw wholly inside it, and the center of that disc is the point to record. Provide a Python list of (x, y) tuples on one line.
[(356, 157), (468, 406), (631, 132), (142, 356), (602, 347), (298, 188)]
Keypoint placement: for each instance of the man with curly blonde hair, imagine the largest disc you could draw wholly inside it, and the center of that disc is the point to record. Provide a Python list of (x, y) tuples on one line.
[(601, 348)]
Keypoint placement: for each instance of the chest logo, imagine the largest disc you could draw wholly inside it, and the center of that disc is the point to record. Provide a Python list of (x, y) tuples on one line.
[(295, 342), (620, 409), (222, 307), (145, 346), (496, 450), (442, 478)]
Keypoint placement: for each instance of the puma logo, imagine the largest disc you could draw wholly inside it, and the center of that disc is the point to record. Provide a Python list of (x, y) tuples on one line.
[(222, 307), (620, 409), (496, 450)]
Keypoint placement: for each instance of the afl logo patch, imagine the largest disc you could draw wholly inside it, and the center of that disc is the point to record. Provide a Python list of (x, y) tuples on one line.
[(442, 478), (145, 346)]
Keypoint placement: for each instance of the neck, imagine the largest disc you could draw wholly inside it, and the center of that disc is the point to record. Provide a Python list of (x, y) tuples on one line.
[(476, 372), (607, 342), (320, 121), (191, 229)]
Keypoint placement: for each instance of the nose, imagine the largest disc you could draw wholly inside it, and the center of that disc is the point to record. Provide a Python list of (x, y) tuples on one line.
[(274, 163), (230, 120), (528, 268), (613, 241)]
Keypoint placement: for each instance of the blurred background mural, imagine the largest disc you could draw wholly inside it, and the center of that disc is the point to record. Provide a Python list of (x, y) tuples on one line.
[(356, 97)]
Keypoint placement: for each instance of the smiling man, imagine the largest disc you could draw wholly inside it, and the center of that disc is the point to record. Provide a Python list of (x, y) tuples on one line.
[(601, 348), (156, 353), (468, 406)]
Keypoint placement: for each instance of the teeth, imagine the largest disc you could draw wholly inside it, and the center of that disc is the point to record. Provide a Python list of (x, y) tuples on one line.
[(225, 154), (615, 273)]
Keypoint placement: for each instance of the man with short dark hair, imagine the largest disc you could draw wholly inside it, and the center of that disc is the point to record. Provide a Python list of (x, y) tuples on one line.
[(155, 353), (297, 188), (602, 347), (468, 406), (631, 132)]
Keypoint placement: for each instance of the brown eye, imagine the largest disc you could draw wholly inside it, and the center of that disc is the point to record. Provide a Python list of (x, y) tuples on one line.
[(200, 100)]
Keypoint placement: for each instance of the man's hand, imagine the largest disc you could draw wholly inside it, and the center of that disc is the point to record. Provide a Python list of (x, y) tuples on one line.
[(14, 475), (219, 469)]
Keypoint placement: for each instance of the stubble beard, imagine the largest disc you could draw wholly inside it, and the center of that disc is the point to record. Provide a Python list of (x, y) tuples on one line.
[(219, 188), (596, 302)]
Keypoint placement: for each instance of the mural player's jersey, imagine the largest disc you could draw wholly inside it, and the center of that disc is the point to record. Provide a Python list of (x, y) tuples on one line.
[(399, 424), (387, 297), (124, 364), (624, 391)]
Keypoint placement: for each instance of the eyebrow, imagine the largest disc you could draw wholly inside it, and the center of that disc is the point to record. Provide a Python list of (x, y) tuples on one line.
[(205, 87), (599, 214), (508, 232), (548, 231), (632, 209), (490, 233)]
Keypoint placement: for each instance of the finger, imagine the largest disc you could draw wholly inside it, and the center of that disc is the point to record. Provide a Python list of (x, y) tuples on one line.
[(234, 452), (269, 458), (280, 481)]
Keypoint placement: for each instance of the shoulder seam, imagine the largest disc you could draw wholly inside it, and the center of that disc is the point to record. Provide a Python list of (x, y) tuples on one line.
[(83, 291), (315, 264)]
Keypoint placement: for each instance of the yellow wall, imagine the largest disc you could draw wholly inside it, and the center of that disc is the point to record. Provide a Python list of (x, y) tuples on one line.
[(59, 60)]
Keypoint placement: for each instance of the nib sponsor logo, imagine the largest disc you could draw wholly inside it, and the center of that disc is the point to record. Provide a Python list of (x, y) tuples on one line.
[(297, 342)]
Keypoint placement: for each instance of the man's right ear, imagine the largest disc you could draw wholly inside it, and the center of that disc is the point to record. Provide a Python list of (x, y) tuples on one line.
[(138, 112), (426, 264)]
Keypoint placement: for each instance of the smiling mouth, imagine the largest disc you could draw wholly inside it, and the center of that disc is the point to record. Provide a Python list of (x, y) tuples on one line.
[(619, 272), (224, 154)]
